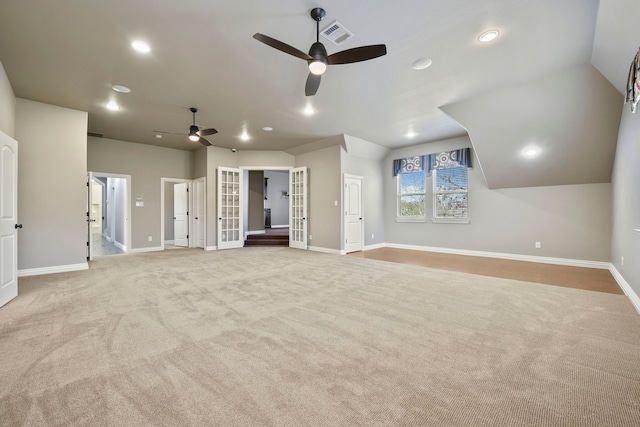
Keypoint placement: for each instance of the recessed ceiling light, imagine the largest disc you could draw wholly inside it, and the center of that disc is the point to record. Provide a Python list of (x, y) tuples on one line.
[(488, 36), (308, 110), (411, 134), (121, 89), (141, 46), (267, 128), (530, 152), (421, 64), (244, 136), (112, 106), (159, 136)]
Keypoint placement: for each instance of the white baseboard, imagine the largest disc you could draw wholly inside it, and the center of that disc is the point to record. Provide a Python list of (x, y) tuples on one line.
[(376, 246), (54, 269), (210, 248), (280, 226), (513, 257), (120, 246), (326, 250), (169, 242), (626, 287), (141, 250)]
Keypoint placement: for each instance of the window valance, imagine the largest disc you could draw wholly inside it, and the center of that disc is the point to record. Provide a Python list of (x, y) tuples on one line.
[(408, 165), (449, 159), (446, 159)]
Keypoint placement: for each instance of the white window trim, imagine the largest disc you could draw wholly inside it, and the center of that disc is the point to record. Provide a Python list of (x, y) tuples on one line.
[(398, 195), (448, 220)]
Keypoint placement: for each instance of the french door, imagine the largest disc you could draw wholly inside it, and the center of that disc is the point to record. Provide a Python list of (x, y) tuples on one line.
[(230, 231), (298, 208)]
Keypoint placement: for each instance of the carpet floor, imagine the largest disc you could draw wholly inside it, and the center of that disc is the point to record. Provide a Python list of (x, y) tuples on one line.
[(276, 336)]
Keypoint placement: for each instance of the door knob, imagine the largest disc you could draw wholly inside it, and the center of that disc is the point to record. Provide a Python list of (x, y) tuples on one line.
[(18, 226)]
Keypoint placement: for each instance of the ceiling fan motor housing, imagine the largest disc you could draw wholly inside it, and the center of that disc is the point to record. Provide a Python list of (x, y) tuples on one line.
[(318, 53)]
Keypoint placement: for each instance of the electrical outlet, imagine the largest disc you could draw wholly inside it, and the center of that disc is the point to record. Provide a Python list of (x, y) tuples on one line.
[(538, 245), (150, 238), (310, 237), (373, 236), (621, 260)]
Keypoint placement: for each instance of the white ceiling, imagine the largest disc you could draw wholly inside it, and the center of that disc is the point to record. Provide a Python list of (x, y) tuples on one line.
[(69, 53)]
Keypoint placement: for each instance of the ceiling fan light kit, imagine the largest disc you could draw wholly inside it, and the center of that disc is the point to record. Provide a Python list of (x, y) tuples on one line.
[(317, 58)]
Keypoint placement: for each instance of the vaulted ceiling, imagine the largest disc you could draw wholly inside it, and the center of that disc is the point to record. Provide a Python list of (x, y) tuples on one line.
[(70, 53)]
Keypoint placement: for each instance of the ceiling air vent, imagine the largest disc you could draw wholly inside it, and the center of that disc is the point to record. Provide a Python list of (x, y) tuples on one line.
[(336, 33), (96, 134)]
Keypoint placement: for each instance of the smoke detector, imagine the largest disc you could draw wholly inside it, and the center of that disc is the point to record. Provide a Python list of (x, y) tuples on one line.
[(336, 33)]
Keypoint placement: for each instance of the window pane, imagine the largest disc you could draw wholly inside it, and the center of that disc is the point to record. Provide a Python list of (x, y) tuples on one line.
[(411, 183), (412, 205), (453, 205), (451, 179)]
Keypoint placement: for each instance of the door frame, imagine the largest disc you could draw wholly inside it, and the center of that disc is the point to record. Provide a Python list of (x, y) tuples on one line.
[(127, 199), (189, 204), (194, 242), (344, 222), (245, 196)]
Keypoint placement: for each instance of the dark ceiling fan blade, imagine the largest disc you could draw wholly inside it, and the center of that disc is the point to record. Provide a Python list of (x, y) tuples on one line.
[(205, 142), (205, 132), (169, 133), (357, 54), (313, 83), (277, 44)]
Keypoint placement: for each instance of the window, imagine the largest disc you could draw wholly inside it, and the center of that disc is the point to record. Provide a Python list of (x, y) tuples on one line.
[(411, 195), (450, 194)]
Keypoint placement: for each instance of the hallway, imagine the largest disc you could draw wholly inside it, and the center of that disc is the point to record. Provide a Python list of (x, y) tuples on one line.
[(102, 247)]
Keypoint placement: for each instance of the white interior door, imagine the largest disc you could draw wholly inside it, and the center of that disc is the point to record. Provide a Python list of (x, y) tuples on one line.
[(353, 225), (199, 207), (8, 219), (90, 218), (181, 214), (230, 208), (298, 208)]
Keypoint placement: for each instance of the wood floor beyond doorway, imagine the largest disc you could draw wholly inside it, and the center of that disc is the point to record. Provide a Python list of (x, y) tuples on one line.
[(591, 279)]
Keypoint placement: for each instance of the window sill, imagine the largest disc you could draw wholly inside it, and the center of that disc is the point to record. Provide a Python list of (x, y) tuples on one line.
[(450, 220), (411, 219)]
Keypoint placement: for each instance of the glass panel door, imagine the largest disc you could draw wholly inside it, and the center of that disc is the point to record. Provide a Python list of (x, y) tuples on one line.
[(229, 208), (298, 208)]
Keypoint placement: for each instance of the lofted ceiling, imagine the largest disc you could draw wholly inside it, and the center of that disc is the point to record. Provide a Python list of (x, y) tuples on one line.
[(70, 53)]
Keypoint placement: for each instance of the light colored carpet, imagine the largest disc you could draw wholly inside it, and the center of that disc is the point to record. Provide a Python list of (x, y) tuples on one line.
[(275, 336)]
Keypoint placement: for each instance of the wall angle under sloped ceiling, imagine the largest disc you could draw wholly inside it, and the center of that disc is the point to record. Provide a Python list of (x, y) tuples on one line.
[(572, 115)]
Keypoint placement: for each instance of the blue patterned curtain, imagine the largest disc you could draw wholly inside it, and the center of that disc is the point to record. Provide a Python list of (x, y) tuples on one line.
[(408, 165), (449, 159)]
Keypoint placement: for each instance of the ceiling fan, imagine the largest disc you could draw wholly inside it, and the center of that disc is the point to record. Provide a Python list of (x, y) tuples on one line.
[(195, 133), (317, 57)]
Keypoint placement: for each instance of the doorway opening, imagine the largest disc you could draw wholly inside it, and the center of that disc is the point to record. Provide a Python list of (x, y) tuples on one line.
[(183, 213), (266, 217), (108, 213)]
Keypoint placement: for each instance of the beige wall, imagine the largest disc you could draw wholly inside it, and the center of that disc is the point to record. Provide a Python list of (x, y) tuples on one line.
[(570, 221), (52, 191), (7, 105), (626, 201), (324, 218), (146, 164), (255, 206)]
